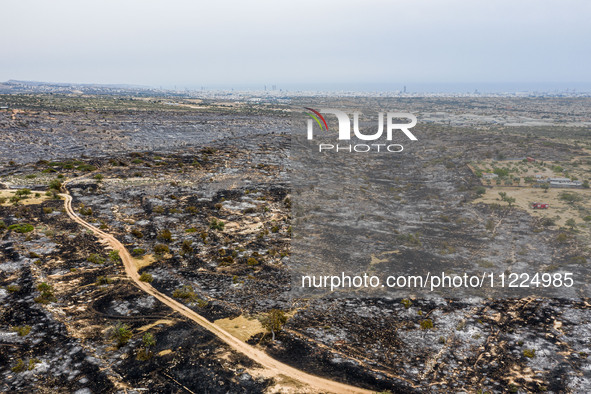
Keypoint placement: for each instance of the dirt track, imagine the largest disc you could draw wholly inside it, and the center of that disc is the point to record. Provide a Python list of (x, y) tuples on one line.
[(273, 367)]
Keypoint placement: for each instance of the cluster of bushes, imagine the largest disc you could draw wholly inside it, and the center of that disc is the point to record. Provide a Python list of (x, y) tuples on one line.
[(252, 261), (187, 294), (46, 293), (137, 233), (22, 366), (426, 324), (86, 167), (570, 197), (186, 247), (164, 235), (96, 259), (160, 249), (21, 228), (103, 280), (138, 252), (68, 165), (146, 277), (114, 256), (406, 302), (501, 172), (480, 190), (184, 293), (216, 224), (121, 333), (226, 260), (21, 331), (547, 222), (86, 211), (23, 193), (55, 185), (562, 238), (13, 288)]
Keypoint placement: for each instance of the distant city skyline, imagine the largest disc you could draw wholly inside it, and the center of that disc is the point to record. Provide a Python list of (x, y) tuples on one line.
[(541, 45)]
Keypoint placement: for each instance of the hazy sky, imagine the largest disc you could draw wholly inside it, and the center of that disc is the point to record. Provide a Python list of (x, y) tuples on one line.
[(193, 43)]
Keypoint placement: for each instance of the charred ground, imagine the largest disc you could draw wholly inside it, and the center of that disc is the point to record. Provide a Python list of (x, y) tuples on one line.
[(210, 225)]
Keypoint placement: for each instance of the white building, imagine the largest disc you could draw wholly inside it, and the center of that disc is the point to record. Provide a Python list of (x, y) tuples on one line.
[(489, 175)]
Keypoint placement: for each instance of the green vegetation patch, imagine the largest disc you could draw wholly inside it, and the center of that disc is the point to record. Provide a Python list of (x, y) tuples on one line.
[(21, 228)]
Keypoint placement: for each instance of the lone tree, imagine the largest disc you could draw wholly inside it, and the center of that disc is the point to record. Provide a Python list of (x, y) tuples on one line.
[(145, 352), (510, 200), (571, 223), (274, 321), (121, 333), (148, 340), (165, 236), (186, 247)]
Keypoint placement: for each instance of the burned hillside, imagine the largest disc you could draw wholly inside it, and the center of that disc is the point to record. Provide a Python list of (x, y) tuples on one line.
[(210, 223)]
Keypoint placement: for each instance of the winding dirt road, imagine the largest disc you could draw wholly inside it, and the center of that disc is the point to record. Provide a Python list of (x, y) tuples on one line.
[(273, 367)]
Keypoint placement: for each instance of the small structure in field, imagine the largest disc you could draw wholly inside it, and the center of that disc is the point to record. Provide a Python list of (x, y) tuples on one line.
[(564, 182), (559, 182), (540, 205)]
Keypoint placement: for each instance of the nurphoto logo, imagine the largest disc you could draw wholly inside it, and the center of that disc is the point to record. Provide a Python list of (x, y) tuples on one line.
[(344, 133)]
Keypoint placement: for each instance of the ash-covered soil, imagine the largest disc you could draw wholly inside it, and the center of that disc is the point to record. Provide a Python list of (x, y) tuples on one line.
[(211, 225)]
